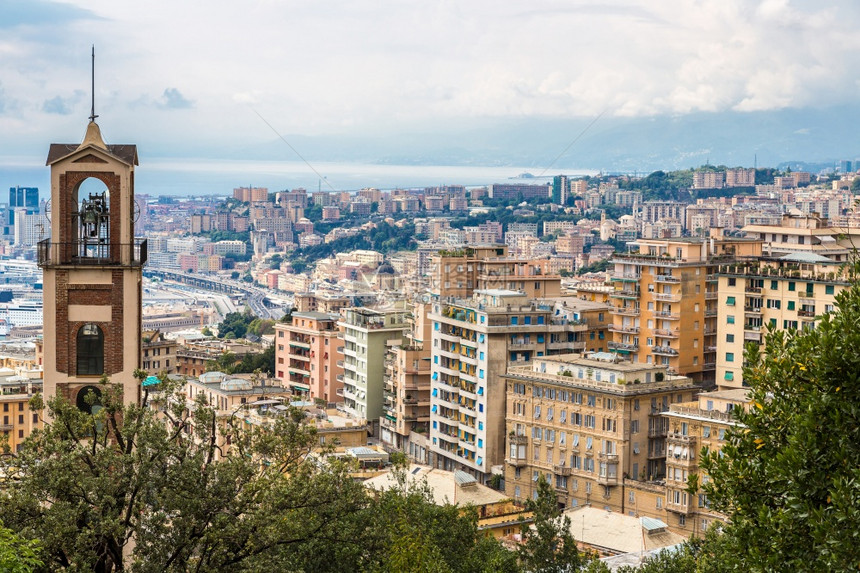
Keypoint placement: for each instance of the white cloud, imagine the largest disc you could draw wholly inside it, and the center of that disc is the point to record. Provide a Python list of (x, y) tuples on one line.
[(313, 68)]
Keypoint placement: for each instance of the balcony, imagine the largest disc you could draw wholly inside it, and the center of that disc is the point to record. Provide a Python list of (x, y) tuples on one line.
[(623, 329), (752, 336), (710, 312), (522, 345), (626, 294), (96, 253), (664, 351), (667, 279), (668, 315), (806, 312), (667, 297), (753, 289), (752, 310), (513, 439), (626, 310), (339, 392), (711, 295), (626, 277), (518, 462), (562, 470), (623, 346), (668, 333)]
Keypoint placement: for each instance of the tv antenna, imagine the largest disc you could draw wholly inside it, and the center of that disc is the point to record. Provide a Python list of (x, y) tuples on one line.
[(93, 115)]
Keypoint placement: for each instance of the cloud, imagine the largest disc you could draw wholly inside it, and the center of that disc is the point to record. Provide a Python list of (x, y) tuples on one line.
[(63, 105), (15, 13), (173, 99)]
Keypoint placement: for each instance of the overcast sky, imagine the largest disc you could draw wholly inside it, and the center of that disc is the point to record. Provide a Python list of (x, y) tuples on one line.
[(194, 74)]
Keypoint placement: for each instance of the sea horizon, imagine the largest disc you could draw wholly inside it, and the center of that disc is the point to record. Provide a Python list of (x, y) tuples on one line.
[(191, 177)]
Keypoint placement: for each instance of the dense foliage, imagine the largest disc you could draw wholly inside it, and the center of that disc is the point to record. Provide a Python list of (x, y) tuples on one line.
[(142, 489)]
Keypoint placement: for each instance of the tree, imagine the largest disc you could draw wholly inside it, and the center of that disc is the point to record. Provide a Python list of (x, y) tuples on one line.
[(157, 489), (789, 476), (18, 555), (548, 546)]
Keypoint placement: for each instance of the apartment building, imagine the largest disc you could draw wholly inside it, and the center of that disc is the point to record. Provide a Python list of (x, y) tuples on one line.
[(474, 341), (709, 180), (366, 336), (799, 233), (592, 426), (307, 355), (460, 273), (666, 302), (405, 423), (702, 423), (159, 353), (791, 291), (17, 421)]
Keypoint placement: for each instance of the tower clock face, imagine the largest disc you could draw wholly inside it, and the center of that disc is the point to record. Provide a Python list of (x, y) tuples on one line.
[(48, 210), (136, 214)]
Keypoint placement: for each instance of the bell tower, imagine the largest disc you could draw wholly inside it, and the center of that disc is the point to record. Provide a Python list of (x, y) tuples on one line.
[(92, 268)]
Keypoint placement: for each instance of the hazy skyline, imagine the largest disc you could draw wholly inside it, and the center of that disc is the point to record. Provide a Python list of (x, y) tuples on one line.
[(187, 79)]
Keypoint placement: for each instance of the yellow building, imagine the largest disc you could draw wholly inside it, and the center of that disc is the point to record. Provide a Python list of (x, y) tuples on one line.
[(692, 426), (668, 287), (791, 291), (591, 426), (17, 421)]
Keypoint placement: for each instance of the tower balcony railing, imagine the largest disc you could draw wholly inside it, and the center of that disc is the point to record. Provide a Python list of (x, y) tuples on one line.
[(87, 253)]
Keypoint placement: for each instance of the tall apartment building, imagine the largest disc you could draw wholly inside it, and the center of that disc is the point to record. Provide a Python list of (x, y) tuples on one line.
[(251, 194), (590, 425), (474, 341), (518, 191), (307, 355), (406, 405), (653, 211), (666, 302), (459, 273), (792, 291), (702, 423), (740, 177), (799, 233), (560, 189), (709, 180), (366, 335)]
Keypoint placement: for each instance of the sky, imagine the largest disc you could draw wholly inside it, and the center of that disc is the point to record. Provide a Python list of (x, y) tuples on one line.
[(217, 79)]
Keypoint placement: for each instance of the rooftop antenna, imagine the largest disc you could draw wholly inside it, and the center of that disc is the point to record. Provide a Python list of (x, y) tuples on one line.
[(93, 115)]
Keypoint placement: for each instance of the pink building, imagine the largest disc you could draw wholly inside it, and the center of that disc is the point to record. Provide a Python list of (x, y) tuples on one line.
[(308, 355)]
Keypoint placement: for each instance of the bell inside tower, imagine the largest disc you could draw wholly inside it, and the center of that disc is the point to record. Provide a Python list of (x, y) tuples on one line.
[(92, 221)]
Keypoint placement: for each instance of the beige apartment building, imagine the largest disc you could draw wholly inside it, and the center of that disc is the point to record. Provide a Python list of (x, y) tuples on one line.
[(17, 421), (593, 427), (461, 272), (666, 302), (701, 423), (799, 233), (307, 356), (405, 423), (791, 291)]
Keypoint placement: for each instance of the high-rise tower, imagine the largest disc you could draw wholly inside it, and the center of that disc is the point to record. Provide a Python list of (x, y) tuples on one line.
[(92, 270)]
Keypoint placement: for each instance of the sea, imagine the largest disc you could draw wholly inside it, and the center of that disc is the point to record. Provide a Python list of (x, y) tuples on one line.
[(193, 177)]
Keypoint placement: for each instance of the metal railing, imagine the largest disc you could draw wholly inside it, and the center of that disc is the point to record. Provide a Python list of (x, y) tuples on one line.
[(83, 253)]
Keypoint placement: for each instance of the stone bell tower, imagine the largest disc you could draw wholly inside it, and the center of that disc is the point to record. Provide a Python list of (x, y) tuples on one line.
[(92, 269)]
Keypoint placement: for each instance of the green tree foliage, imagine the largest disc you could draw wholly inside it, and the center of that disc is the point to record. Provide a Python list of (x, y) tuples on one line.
[(236, 323), (149, 489), (385, 238), (548, 546), (18, 555), (789, 476)]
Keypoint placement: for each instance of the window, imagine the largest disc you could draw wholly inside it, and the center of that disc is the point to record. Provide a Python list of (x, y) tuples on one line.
[(730, 356), (732, 281), (729, 376), (774, 285), (730, 338), (90, 351), (730, 319), (791, 286), (730, 301), (791, 305), (828, 289)]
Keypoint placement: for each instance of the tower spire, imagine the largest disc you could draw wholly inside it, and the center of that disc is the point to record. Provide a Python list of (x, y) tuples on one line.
[(93, 115)]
